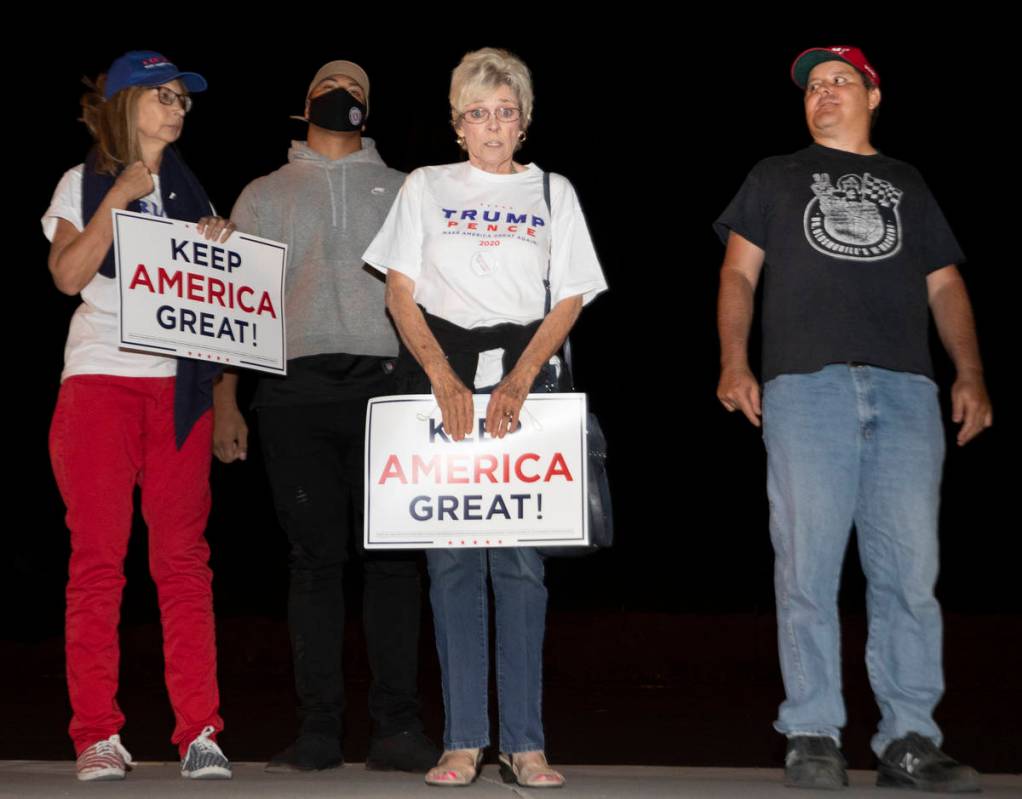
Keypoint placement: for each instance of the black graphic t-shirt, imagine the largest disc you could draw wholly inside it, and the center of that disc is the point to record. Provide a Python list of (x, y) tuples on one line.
[(849, 240)]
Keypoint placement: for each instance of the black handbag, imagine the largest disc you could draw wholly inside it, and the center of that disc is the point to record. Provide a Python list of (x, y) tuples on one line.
[(601, 516)]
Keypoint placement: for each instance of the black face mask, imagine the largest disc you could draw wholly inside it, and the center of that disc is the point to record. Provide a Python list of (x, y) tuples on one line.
[(337, 110)]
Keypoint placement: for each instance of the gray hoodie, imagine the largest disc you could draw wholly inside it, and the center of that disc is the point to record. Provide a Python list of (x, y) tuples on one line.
[(327, 212)]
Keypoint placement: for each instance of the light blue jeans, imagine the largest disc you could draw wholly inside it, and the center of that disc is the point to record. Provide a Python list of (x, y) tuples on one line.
[(863, 445), (460, 598)]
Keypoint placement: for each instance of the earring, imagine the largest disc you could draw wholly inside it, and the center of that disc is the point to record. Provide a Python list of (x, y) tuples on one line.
[(461, 142), (521, 136)]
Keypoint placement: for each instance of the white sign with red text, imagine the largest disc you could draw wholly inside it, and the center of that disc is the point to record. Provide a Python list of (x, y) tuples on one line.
[(425, 490), (183, 295)]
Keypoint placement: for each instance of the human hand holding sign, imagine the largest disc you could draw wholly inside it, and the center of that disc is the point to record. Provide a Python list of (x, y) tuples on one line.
[(455, 401), (506, 402), (215, 228)]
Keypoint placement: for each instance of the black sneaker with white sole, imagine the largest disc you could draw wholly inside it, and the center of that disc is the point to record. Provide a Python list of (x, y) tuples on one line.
[(814, 761), (915, 762)]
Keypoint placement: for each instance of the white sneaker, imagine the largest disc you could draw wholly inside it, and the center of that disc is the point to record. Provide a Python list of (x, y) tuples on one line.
[(204, 759), (104, 760)]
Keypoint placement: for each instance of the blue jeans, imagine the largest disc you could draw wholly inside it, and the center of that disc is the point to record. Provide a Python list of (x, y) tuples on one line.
[(459, 594), (856, 444)]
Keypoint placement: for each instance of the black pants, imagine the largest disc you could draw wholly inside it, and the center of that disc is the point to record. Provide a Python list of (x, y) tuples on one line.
[(314, 459)]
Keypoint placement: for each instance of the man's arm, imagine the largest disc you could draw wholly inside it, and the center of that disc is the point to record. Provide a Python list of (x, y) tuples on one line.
[(230, 432), (952, 313), (738, 388)]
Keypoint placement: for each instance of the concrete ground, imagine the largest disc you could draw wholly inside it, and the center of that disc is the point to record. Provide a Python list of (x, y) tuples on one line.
[(671, 690), (28, 778)]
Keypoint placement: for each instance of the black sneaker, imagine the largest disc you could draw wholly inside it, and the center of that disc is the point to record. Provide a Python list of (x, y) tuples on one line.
[(407, 751), (308, 753), (814, 761), (915, 762)]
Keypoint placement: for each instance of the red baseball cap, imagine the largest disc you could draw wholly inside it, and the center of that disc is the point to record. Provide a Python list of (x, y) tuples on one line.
[(803, 65)]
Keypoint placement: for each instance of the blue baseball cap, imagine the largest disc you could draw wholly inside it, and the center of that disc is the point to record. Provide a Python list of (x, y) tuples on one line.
[(147, 68)]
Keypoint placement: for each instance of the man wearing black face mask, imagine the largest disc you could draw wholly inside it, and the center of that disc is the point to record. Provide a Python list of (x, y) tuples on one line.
[(327, 203)]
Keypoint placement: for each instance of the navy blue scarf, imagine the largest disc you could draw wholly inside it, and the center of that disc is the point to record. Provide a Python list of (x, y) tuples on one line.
[(183, 198)]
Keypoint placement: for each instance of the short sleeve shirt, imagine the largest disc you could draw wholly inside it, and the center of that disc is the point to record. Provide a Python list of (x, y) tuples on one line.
[(477, 244), (93, 339), (848, 240)]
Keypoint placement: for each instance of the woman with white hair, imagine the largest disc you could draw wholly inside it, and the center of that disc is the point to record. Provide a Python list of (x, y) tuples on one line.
[(488, 264)]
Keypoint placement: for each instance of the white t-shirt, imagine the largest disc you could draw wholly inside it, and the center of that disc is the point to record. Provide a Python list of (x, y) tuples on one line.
[(93, 339), (477, 245)]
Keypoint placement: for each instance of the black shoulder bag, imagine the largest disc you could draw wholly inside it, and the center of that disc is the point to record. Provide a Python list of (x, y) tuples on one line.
[(601, 517)]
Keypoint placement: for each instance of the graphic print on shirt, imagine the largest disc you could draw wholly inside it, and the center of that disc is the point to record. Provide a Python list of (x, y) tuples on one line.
[(151, 207), (490, 223), (856, 219)]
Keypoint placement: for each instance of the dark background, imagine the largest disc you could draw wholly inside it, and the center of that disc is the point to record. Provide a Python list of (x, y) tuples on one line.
[(656, 129)]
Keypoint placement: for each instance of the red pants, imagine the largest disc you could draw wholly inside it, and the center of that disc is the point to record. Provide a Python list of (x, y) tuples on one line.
[(108, 434)]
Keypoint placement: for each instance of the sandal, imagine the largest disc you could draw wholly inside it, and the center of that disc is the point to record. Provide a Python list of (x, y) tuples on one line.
[(529, 770), (456, 768)]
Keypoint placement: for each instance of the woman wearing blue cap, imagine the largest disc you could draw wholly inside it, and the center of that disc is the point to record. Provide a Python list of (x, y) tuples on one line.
[(125, 418)]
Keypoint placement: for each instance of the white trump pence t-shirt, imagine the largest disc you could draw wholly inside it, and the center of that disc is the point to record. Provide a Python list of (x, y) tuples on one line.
[(477, 246)]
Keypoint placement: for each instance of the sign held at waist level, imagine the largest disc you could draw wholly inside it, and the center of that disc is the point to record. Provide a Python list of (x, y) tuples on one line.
[(425, 490)]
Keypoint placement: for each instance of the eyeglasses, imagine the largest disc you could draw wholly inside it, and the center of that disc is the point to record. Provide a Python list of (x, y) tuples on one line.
[(506, 113), (168, 97)]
